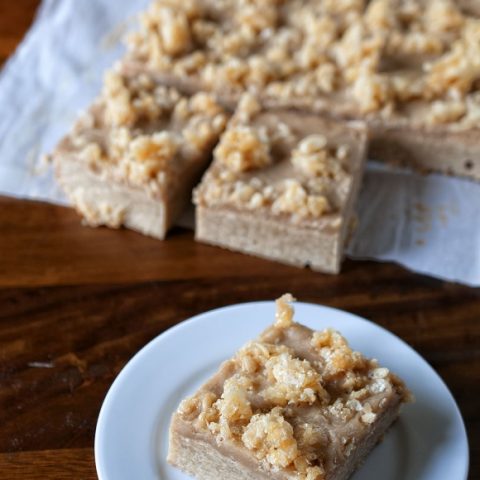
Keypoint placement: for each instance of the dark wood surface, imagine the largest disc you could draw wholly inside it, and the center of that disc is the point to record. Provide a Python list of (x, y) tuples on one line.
[(77, 303)]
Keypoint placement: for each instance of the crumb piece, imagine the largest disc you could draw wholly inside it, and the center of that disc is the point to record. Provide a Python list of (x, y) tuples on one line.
[(371, 91), (234, 407), (284, 312), (447, 111), (459, 68), (174, 31), (248, 106), (294, 199), (253, 357), (243, 148), (150, 154), (314, 158), (293, 381), (337, 355), (443, 16), (270, 437), (130, 100), (368, 417)]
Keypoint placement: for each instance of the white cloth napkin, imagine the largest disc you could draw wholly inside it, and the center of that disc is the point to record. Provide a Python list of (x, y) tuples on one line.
[(429, 224)]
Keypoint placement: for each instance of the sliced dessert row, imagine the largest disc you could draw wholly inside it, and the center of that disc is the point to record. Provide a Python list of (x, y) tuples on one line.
[(282, 184), (409, 68)]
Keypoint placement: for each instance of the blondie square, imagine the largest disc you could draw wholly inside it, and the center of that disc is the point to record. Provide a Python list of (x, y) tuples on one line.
[(282, 186), (135, 156), (292, 404)]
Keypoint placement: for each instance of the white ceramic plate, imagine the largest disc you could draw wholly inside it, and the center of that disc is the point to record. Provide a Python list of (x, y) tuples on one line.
[(427, 443)]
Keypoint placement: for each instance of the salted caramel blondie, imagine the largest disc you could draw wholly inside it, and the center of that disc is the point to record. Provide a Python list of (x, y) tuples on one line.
[(292, 404), (410, 68), (133, 158), (282, 186)]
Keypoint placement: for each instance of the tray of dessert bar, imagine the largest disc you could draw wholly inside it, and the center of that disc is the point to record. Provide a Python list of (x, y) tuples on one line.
[(307, 392)]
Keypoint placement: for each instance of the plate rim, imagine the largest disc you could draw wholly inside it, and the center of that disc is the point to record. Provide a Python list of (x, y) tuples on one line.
[(163, 336)]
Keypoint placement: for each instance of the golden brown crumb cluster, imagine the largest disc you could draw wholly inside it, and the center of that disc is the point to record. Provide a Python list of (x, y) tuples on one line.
[(384, 55), (249, 147), (294, 199), (269, 387), (314, 158), (148, 128), (243, 148)]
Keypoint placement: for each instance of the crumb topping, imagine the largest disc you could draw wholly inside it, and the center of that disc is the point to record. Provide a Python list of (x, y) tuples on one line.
[(234, 408), (293, 381), (130, 100), (382, 56), (295, 200), (253, 148), (140, 130), (254, 355), (278, 404)]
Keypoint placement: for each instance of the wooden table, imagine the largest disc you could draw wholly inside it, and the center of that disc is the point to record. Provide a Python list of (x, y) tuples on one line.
[(77, 303)]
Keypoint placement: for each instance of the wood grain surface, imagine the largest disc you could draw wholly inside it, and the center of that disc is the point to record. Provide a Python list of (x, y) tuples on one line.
[(77, 303)]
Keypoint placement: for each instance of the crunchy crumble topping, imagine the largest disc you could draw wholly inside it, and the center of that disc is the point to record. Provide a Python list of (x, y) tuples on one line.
[(382, 54), (279, 405), (294, 381), (166, 29), (289, 197), (254, 355), (248, 106), (129, 100), (234, 408), (147, 155), (139, 129), (254, 146), (338, 358), (459, 68), (294, 199)]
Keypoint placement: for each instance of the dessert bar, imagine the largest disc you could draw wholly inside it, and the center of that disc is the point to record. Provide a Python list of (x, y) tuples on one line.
[(282, 186), (292, 404), (135, 156)]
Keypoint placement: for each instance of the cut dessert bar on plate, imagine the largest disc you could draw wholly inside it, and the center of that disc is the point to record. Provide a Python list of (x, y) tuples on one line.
[(135, 156), (282, 186), (292, 404), (411, 69)]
